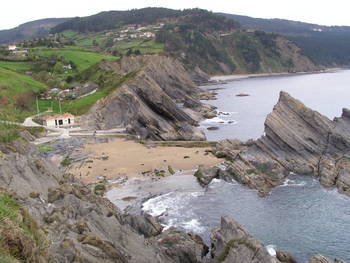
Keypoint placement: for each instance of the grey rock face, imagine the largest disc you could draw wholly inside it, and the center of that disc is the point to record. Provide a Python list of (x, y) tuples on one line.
[(297, 139), (232, 243), (153, 104), (84, 227), (206, 174), (322, 259), (285, 257)]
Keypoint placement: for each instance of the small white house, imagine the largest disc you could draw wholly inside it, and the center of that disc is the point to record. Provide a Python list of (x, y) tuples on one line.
[(58, 120), (12, 47)]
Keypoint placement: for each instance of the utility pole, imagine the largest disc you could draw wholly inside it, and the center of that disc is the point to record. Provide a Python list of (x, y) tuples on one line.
[(37, 106), (59, 103)]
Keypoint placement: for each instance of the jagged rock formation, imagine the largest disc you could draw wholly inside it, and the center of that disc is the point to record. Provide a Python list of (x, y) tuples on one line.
[(81, 226), (322, 259), (73, 224), (232, 243), (160, 102), (297, 139)]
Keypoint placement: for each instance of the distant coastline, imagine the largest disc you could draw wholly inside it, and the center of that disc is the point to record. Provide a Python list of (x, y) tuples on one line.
[(225, 78)]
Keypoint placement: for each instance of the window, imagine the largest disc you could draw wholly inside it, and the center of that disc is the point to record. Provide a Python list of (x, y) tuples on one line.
[(56, 122), (68, 120), (60, 122)]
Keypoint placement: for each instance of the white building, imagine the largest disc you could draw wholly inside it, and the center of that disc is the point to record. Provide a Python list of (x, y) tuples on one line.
[(58, 120), (12, 47)]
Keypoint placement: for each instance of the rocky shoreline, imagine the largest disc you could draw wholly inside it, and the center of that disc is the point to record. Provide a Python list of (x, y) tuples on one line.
[(80, 226), (298, 140)]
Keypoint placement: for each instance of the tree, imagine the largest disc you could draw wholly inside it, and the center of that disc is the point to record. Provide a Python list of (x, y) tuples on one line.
[(24, 100), (58, 68)]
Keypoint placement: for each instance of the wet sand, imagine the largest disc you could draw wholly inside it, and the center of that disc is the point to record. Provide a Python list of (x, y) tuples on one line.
[(121, 157)]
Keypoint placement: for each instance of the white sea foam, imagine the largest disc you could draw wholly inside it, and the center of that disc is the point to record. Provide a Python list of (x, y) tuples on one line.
[(157, 205), (173, 207), (289, 182), (215, 180), (218, 120), (271, 249), (227, 112), (193, 225)]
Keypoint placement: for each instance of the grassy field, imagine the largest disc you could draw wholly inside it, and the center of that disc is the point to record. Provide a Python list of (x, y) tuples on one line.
[(82, 59), (17, 66), (88, 41), (145, 46), (13, 83)]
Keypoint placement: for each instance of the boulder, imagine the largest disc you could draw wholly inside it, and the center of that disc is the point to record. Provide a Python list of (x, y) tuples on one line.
[(285, 257), (144, 224), (205, 174), (232, 243)]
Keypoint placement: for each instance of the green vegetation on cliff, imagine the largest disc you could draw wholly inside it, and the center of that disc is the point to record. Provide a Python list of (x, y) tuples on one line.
[(326, 45), (20, 237)]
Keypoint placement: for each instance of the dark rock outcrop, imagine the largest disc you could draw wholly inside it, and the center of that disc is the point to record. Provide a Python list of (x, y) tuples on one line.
[(81, 226), (161, 102), (232, 243), (322, 259), (205, 174), (297, 139), (285, 257)]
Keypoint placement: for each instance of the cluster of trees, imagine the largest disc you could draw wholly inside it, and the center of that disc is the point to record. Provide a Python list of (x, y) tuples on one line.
[(191, 36), (249, 52), (53, 64), (325, 45), (50, 42), (4, 51), (114, 19)]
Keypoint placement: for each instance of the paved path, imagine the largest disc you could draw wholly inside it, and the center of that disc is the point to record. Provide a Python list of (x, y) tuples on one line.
[(63, 133)]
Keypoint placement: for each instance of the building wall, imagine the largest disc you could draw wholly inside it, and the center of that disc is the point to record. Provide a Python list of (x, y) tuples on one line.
[(52, 122)]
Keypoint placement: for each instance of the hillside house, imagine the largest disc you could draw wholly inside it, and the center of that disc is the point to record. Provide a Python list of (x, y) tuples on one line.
[(58, 120), (12, 47)]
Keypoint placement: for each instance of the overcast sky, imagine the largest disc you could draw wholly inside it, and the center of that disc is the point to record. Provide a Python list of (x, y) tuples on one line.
[(325, 12)]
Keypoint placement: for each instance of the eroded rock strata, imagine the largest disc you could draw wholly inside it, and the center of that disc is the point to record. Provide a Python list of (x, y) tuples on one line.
[(68, 222), (160, 102), (298, 140)]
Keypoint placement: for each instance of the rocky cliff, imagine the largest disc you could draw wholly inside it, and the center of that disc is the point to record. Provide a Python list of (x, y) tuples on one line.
[(73, 223), (298, 140), (49, 217), (160, 102)]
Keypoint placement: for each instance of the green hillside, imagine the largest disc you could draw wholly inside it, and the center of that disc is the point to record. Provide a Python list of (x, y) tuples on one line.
[(326, 45), (17, 94), (218, 45), (82, 59)]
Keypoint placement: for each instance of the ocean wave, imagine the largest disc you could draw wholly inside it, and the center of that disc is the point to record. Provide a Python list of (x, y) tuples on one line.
[(218, 120), (227, 112), (193, 225), (289, 182), (173, 208), (271, 249)]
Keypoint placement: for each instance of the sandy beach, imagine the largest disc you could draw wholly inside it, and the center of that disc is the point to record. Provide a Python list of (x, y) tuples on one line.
[(220, 78), (121, 157)]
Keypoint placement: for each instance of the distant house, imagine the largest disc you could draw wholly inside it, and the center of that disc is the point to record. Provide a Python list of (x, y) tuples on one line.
[(12, 47), (58, 120), (149, 34)]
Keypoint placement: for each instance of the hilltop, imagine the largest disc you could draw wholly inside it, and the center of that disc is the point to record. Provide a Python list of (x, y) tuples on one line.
[(30, 30), (85, 62), (326, 45)]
